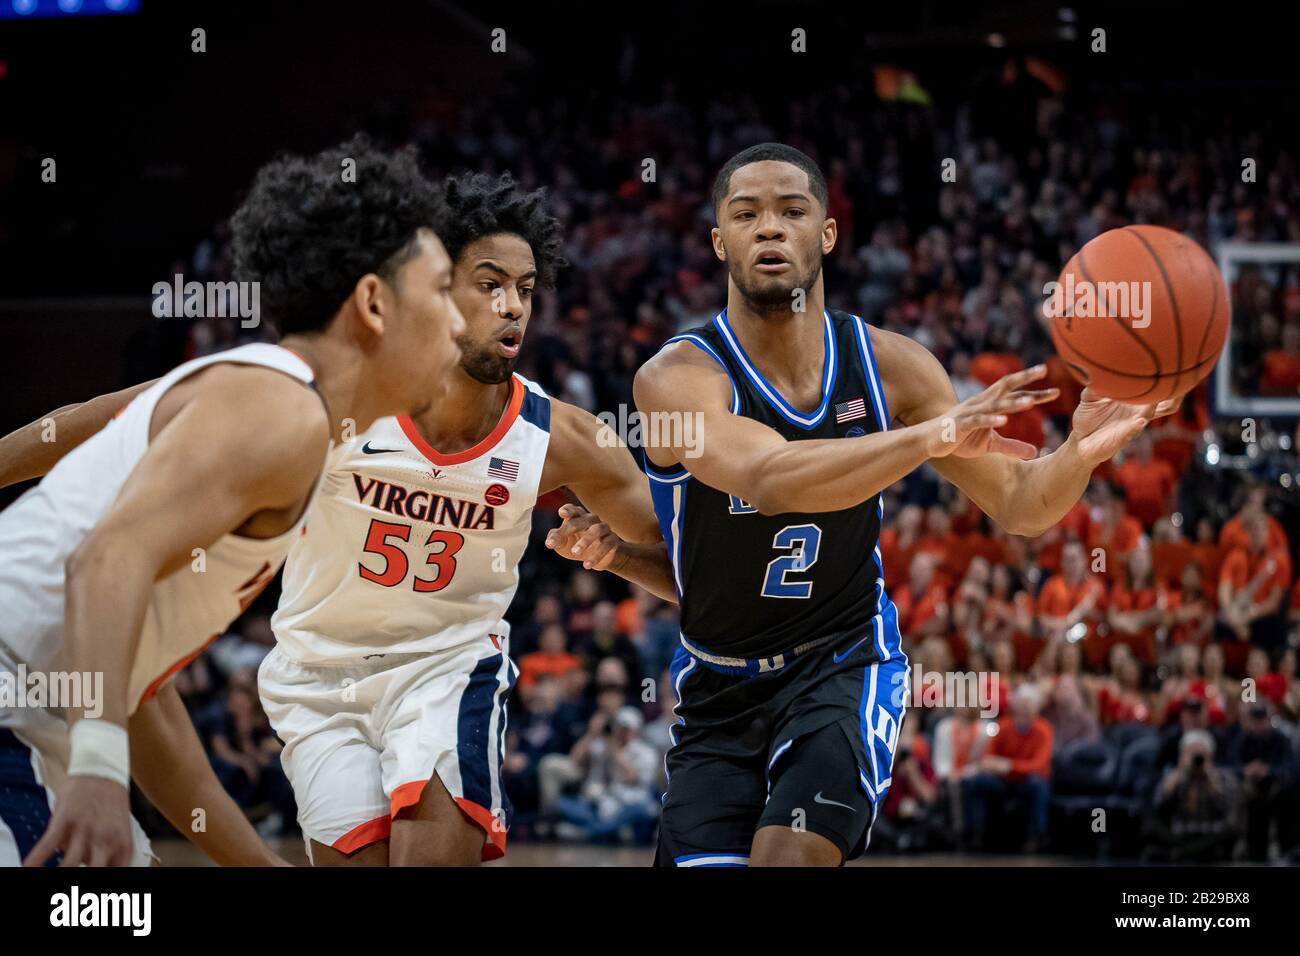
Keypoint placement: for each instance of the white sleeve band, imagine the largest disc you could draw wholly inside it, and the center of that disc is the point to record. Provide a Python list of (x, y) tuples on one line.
[(100, 748)]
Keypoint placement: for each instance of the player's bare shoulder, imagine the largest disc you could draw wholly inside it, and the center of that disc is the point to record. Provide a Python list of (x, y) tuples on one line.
[(264, 418)]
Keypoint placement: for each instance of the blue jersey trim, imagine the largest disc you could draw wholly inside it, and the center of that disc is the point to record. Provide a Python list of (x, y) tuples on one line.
[(536, 410), (806, 421), (878, 404), (700, 343)]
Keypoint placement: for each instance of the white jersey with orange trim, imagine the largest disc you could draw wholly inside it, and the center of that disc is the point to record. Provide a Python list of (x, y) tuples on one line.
[(408, 550), (188, 608)]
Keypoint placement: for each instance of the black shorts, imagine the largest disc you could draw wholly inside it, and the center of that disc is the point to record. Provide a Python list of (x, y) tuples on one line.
[(808, 745)]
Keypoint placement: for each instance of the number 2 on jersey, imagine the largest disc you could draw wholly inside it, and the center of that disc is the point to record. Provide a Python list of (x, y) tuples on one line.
[(803, 540), (396, 563)]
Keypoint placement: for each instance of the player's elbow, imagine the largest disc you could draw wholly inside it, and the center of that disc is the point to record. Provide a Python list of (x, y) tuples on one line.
[(1013, 520), (769, 495)]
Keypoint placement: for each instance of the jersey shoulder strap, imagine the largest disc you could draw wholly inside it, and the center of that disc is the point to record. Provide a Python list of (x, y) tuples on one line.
[(536, 406)]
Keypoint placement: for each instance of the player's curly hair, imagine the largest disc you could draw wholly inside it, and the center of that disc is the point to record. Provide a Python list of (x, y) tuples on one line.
[(479, 205), (307, 235)]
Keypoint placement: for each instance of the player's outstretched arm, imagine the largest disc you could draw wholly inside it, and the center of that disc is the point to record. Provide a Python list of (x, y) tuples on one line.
[(248, 441), (169, 765), (586, 456), (745, 458), (31, 451), (1023, 494)]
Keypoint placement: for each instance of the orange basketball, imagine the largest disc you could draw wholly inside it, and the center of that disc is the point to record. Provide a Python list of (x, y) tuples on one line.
[(1140, 313)]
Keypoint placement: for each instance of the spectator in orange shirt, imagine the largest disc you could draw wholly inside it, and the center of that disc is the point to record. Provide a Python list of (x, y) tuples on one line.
[(939, 541), (1072, 600), (1176, 436), (1008, 615), (1252, 584), (959, 740), (1282, 366), (975, 541), (987, 367), (552, 658), (1233, 534), (1120, 699), (1191, 611), (898, 543), (1017, 762), (1214, 687), (1117, 533), (1269, 684), (1148, 482), (968, 603), (1075, 526), (1170, 551), (1138, 607), (922, 602)]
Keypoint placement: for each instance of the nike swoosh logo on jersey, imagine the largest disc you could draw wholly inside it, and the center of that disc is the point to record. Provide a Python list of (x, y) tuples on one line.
[(839, 657), (833, 803), (367, 450)]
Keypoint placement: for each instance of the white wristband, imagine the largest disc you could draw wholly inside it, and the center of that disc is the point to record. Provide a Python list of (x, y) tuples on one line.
[(100, 748)]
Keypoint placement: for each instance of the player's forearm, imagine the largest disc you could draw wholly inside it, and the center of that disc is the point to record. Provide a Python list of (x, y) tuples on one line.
[(834, 474), (647, 565), (173, 772), (31, 451), (1044, 490)]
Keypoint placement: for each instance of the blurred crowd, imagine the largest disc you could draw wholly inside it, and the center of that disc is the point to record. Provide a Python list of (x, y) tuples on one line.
[(1144, 648)]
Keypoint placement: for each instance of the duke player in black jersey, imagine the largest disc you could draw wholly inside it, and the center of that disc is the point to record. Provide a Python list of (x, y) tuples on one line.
[(791, 679)]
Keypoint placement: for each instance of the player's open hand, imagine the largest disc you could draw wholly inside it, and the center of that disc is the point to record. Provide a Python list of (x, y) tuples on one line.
[(1104, 426), (584, 537), (91, 824), (969, 429)]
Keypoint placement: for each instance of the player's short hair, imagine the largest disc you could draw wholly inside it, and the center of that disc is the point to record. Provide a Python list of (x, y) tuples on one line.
[(763, 152), (480, 205), (307, 234)]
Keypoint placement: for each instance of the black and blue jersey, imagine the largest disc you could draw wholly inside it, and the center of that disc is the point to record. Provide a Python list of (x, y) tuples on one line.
[(755, 588)]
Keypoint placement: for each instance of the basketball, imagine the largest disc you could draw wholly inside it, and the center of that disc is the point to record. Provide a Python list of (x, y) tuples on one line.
[(1140, 313)]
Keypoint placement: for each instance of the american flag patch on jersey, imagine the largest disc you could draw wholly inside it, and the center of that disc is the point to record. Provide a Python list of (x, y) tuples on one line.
[(503, 468), (848, 411)]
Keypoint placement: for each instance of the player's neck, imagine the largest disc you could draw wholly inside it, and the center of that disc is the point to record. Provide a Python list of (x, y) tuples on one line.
[(787, 346), (465, 415), (339, 376)]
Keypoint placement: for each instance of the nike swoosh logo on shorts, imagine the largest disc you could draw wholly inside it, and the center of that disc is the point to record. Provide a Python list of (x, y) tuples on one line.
[(834, 803), (367, 450), (839, 657)]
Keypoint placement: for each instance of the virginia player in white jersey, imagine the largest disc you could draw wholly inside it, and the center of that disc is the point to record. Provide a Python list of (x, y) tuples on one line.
[(156, 532), (389, 680)]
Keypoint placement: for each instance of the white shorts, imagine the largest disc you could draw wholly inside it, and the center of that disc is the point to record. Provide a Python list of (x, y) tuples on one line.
[(361, 741), (33, 767)]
